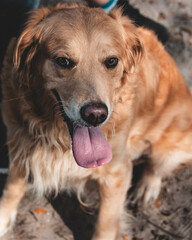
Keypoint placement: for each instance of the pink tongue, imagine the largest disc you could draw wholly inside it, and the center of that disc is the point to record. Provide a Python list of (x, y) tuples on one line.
[(90, 148)]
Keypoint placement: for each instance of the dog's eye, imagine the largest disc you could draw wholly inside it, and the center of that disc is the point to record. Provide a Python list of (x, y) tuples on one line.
[(111, 62), (65, 62)]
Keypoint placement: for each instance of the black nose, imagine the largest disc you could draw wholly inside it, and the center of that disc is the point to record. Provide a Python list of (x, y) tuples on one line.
[(94, 113)]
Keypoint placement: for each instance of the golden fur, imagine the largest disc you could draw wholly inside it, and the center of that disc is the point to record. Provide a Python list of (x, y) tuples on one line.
[(150, 109)]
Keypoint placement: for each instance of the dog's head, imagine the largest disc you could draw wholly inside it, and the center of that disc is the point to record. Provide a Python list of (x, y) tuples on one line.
[(83, 56)]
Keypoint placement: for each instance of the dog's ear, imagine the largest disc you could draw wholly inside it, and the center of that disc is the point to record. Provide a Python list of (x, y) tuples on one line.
[(134, 48), (28, 43)]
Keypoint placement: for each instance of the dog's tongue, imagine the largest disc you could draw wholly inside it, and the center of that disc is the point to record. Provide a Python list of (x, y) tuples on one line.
[(90, 148)]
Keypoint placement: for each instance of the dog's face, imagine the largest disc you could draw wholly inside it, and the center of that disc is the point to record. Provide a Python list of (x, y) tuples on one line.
[(82, 56), (84, 63)]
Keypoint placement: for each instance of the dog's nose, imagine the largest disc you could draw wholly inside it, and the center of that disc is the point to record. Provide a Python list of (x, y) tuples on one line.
[(94, 113)]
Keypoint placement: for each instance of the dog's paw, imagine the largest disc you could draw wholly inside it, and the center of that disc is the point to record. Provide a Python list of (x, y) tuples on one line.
[(6, 221), (148, 188)]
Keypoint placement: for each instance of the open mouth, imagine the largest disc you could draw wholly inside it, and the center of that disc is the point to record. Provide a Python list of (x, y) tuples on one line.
[(89, 146)]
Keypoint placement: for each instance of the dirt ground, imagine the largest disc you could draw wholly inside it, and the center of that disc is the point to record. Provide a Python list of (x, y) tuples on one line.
[(168, 218)]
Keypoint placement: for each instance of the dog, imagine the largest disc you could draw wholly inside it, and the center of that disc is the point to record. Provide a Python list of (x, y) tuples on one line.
[(85, 93)]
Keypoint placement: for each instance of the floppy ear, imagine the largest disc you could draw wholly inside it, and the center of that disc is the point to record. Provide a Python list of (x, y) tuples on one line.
[(28, 44), (134, 48)]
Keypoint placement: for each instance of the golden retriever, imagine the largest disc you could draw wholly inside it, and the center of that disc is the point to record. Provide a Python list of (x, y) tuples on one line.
[(84, 94)]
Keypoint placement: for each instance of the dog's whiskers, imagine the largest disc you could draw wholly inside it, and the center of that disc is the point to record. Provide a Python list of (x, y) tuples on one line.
[(30, 94)]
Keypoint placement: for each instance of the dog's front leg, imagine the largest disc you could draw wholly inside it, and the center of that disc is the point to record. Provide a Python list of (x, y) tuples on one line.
[(13, 192), (113, 190)]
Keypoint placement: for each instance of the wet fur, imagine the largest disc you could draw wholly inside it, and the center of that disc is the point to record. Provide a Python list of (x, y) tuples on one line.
[(149, 104)]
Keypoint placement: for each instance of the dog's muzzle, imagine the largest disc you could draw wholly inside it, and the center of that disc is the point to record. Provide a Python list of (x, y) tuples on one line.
[(89, 146)]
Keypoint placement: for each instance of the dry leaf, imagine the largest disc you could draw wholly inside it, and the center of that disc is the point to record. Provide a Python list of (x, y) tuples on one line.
[(40, 210), (127, 238), (157, 203)]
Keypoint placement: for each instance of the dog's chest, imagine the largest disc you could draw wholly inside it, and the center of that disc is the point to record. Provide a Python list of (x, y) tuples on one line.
[(55, 171)]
